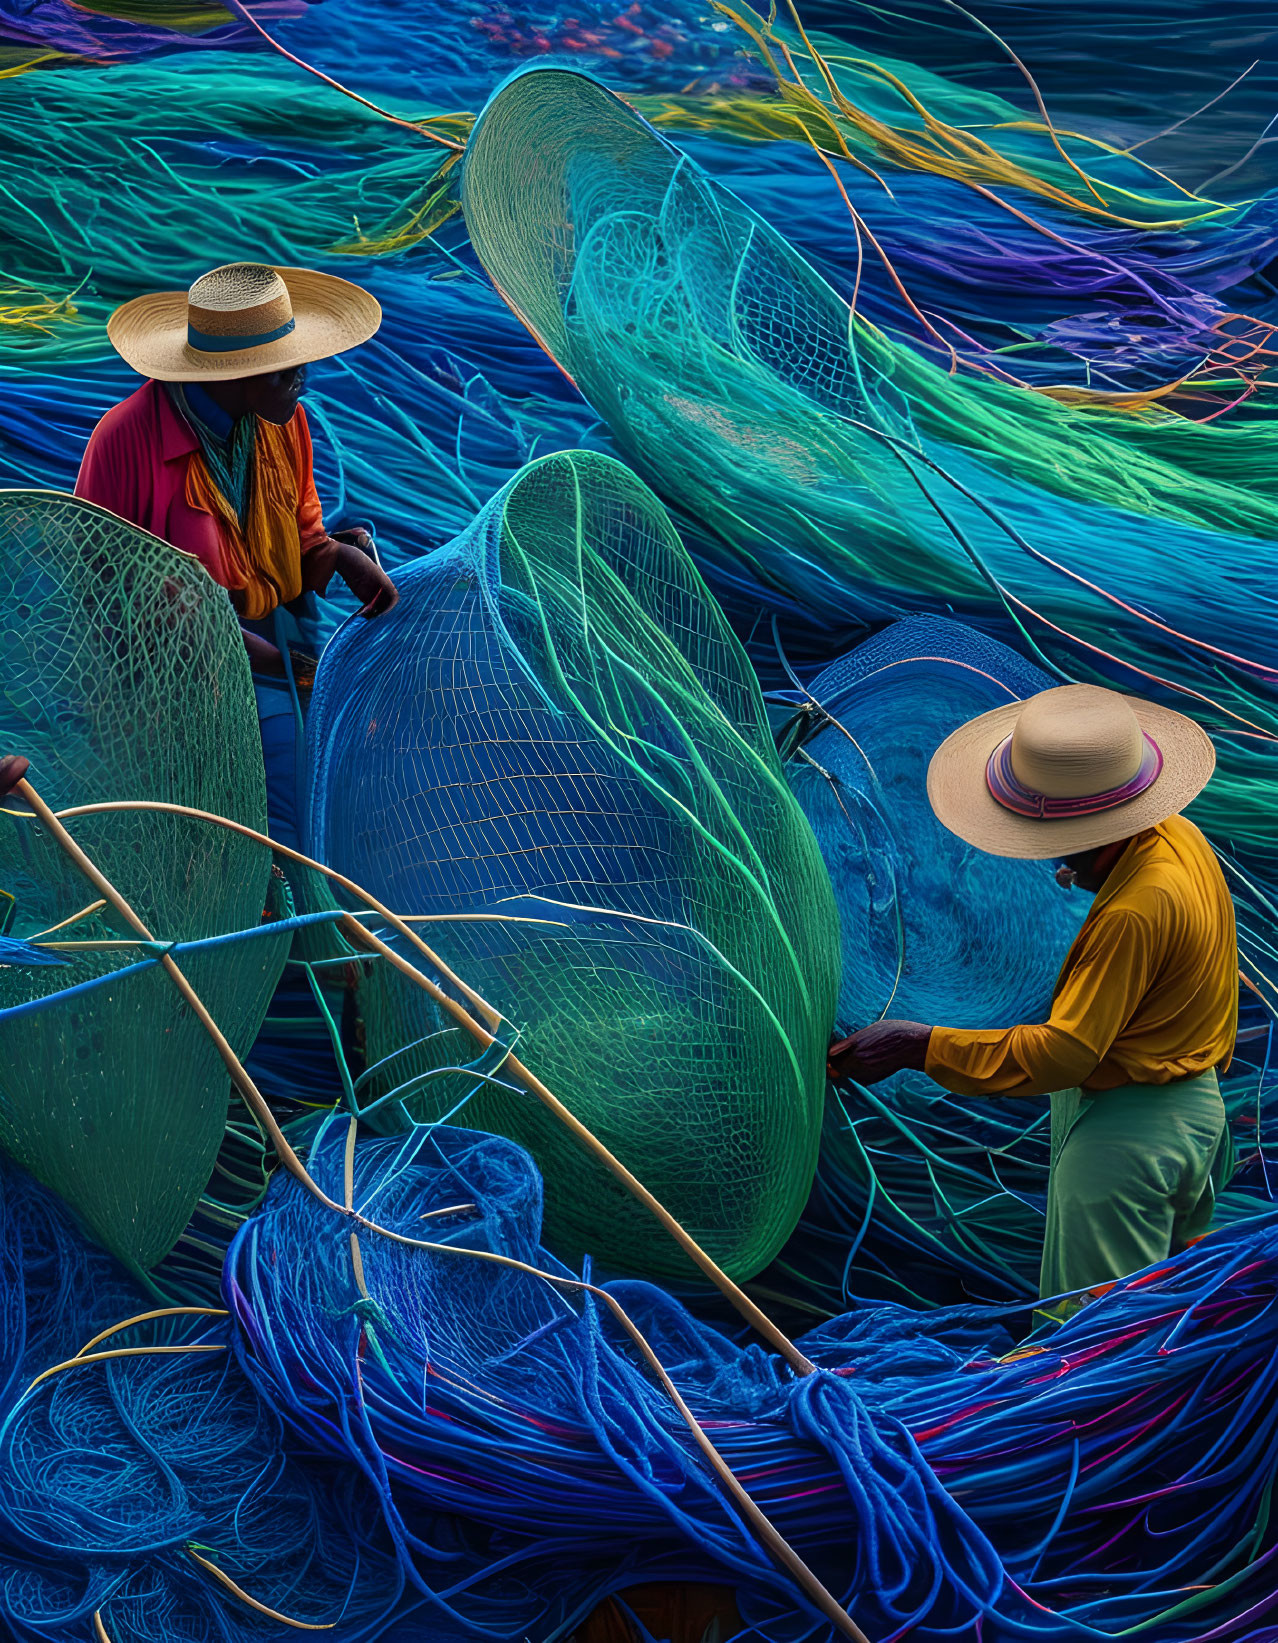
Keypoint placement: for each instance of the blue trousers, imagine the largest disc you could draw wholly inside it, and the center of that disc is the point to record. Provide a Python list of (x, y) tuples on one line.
[(280, 754)]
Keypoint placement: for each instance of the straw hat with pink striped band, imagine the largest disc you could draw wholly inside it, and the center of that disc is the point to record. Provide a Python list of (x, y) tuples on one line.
[(242, 320), (1069, 770)]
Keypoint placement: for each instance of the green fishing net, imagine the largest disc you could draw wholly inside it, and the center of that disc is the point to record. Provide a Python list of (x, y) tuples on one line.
[(555, 752), (836, 476), (123, 677)]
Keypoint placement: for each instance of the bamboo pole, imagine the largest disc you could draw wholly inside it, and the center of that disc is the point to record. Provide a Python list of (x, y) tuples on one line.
[(752, 1313), (771, 1538)]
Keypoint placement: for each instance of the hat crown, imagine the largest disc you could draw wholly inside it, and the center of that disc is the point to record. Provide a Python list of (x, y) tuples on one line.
[(1075, 742), (237, 285), (240, 304)]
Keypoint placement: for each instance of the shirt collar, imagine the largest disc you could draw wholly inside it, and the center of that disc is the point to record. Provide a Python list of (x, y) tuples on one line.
[(1137, 853), (177, 437), (208, 410)]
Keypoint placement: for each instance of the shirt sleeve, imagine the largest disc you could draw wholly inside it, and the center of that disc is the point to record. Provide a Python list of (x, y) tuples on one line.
[(110, 473), (1108, 972), (319, 552), (310, 516)]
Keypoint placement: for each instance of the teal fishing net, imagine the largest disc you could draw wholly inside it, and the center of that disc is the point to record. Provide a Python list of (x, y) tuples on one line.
[(123, 677), (838, 477), (556, 736)]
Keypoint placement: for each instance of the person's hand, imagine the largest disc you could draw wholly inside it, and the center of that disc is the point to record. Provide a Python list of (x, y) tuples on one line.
[(878, 1051), (357, 537), (13, 769), (367, 581)]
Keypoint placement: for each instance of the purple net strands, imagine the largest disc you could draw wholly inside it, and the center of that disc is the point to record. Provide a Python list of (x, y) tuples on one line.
[(44, 33)]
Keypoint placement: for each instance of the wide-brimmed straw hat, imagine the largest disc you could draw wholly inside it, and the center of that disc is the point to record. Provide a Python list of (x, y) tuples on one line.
[(242, 320), (1069, 770)]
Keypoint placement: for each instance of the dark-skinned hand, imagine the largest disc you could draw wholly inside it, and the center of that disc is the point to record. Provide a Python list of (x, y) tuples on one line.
[(366, 579), (264, 657), (13, 768), (878, 1051), (359, 538)]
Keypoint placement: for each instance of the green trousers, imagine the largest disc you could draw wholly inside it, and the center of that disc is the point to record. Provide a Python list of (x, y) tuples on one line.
[(1133, 1178)]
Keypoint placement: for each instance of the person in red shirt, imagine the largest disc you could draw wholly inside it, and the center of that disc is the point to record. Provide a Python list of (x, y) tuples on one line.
[(213, 454)]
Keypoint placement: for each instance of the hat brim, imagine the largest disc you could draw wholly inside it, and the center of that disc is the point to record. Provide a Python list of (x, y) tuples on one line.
[(330, 315), (960, 796)]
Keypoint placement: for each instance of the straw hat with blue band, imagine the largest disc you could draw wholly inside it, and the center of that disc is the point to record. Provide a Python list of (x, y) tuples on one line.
[(244, 319), (1069, 770)]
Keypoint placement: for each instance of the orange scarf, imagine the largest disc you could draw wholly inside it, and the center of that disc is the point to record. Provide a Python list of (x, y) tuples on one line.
[(263, 562)]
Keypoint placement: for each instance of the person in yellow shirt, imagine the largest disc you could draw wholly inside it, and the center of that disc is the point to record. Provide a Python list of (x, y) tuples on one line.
[(1145, 1010)]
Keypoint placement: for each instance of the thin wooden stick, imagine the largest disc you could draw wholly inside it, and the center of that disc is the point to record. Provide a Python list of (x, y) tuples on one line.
[(256, 1101), (83, 1358), (776, 1544), (753, 1314), (221, 1574), (146, 1317), (93, 907), (761, 1525)]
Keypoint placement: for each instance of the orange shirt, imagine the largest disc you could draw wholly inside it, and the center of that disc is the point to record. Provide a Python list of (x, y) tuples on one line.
[(143, 462), (1148, 992)]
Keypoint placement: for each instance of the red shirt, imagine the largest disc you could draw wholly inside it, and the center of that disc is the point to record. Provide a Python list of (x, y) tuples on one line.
[(136, 465)]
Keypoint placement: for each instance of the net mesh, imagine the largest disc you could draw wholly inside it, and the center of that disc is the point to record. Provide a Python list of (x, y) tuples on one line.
[(123, 676), (556, 730), (837, 475), (933, 930), (118, 1474), (920, 1194)]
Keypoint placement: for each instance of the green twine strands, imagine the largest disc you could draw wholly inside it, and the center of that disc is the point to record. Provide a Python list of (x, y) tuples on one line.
[(838, 472)]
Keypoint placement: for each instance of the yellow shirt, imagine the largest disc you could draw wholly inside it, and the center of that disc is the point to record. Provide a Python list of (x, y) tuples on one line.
[(1148, 992)]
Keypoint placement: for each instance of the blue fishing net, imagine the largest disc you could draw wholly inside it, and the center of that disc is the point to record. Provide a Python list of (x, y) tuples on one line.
[(933, 930), (146, 1452), (555, 753), (920, 1195)]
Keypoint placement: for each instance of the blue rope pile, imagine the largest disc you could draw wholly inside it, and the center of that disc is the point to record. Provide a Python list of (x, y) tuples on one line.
[(426, 1445), (125, 1475), (1114, 1476)]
